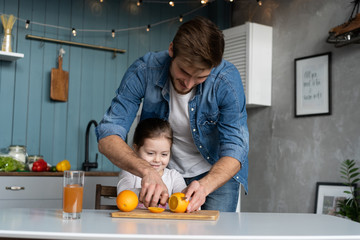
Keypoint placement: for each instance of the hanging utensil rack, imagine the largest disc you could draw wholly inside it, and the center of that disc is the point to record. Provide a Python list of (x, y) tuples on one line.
[(85, 45)]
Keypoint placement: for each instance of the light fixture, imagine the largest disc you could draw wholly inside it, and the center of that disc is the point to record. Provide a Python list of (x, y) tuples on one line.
[(139, 2), (204, 2), (181, 18), (74, 32), (148, 28), (231, 1), (259, 2), (113, 33), (27, 24), (171, 3), (101, 1)]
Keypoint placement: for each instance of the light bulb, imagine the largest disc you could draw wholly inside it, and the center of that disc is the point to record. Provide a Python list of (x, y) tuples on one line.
[(27, 24), (203, 2), (139, 2), (259, 2), (148, 28), (181, 18), (113, 33), (171, 3), (74, 32)]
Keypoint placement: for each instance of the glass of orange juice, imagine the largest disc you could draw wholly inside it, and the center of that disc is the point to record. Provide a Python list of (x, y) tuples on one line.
[(73, 188)]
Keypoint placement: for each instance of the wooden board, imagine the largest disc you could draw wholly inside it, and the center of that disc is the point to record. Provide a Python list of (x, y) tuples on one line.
[(59, 83), (167, 214)]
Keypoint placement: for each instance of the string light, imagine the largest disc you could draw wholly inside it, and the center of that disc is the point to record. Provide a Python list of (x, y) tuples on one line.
[(75, 31), (171, 3), (259, 2), (139, 2), (113, 33), (27, 24)]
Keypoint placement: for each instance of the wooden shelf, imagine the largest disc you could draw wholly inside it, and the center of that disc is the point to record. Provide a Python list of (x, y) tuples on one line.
[(10, 56)]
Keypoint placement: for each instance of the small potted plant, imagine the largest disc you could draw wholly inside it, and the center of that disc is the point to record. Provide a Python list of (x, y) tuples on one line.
[(350, 207)]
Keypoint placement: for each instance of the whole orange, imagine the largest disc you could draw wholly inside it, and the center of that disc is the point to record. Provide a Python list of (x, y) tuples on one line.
[(178, 203), (127, 201)]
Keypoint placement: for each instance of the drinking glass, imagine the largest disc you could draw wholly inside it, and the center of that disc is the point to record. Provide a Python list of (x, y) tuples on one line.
[(73, 185)]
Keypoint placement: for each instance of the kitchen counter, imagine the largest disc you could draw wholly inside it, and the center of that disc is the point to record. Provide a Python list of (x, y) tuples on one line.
[(98, 224), (56, 174)]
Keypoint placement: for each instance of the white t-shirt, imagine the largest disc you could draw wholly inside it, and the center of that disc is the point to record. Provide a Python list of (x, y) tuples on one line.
[(172, 179), (185, 157)]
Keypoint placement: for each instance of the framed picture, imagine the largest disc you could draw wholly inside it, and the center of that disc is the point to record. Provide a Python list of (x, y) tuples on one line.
[(313, 85), (327, 196)]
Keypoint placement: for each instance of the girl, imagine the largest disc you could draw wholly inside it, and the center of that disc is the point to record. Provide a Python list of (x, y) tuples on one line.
[(152, 142)]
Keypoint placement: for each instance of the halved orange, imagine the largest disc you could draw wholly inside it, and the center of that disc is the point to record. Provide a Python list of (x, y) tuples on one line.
[(177, 203), (156, 209)]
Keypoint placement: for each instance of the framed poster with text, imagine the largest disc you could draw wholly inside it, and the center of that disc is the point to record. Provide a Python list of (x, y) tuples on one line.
[(313, 85)]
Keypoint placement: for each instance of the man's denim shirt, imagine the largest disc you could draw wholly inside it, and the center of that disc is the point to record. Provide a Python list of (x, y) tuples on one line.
[(217, 112)]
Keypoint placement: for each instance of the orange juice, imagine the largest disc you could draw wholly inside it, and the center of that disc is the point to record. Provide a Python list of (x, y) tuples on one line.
[(73, 198)]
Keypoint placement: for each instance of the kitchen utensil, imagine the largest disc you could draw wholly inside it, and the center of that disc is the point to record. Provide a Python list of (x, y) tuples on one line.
[(59, 83), (167, 214)]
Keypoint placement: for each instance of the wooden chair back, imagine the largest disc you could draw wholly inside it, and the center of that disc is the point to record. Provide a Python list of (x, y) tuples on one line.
[(107, 192)]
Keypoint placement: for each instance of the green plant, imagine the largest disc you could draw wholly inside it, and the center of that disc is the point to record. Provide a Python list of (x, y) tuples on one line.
[(350, 207)]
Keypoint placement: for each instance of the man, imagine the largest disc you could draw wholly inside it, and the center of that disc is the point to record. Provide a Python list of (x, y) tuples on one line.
[(202, 97)]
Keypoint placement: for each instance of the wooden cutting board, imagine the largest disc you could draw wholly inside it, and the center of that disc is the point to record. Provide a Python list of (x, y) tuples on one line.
[(167, 214), (59, 83)]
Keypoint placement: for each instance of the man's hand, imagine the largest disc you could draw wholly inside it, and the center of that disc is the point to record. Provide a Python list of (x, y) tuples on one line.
[(153, 190), (218, 175), (197, 195)]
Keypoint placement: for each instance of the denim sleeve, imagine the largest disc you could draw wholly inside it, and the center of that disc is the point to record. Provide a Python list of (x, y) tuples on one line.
[(232, 125), (124, 106)]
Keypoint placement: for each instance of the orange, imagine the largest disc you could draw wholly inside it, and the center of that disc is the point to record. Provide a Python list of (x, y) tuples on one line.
[(156, 209), (127, 201), (177, 203)]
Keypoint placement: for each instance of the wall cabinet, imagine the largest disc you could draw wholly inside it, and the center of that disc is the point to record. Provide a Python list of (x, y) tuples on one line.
[(46, 192), (249, 48)]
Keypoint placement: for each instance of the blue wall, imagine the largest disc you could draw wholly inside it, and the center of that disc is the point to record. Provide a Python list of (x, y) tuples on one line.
[(57, 129)]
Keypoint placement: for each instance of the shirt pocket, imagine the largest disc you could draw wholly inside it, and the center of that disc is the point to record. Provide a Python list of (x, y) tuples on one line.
[(208, 125)]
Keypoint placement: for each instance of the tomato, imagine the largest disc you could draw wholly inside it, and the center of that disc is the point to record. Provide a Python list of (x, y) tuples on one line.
[(39, 165)]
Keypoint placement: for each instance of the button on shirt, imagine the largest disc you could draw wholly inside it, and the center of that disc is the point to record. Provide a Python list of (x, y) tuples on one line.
[(217, 112)]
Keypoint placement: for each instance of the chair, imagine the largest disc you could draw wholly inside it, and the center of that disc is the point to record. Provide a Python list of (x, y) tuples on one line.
[(106, 192)]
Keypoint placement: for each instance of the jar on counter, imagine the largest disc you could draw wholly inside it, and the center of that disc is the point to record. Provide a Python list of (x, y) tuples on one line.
[(18, 152), (32, 159)]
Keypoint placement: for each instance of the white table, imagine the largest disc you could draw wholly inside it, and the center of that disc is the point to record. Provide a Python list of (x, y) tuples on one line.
[(98, 224)]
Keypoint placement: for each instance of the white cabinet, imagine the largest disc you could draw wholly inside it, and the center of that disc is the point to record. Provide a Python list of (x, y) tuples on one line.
[(46, 192), (249, 48)]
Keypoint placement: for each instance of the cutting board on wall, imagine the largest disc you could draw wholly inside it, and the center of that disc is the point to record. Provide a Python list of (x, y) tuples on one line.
[(167, 214), (59, 88)]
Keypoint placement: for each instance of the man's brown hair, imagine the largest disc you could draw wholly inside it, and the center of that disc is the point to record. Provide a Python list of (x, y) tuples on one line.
[(199, 41)]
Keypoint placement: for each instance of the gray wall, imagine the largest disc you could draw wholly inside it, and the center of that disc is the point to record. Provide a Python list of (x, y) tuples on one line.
[(289, 155)]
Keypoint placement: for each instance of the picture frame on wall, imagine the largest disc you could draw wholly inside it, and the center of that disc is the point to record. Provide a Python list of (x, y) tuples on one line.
[(313, 85), (327, 196)]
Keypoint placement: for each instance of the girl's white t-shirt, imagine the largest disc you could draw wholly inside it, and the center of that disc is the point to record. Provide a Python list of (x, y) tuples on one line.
[(172, 179)]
